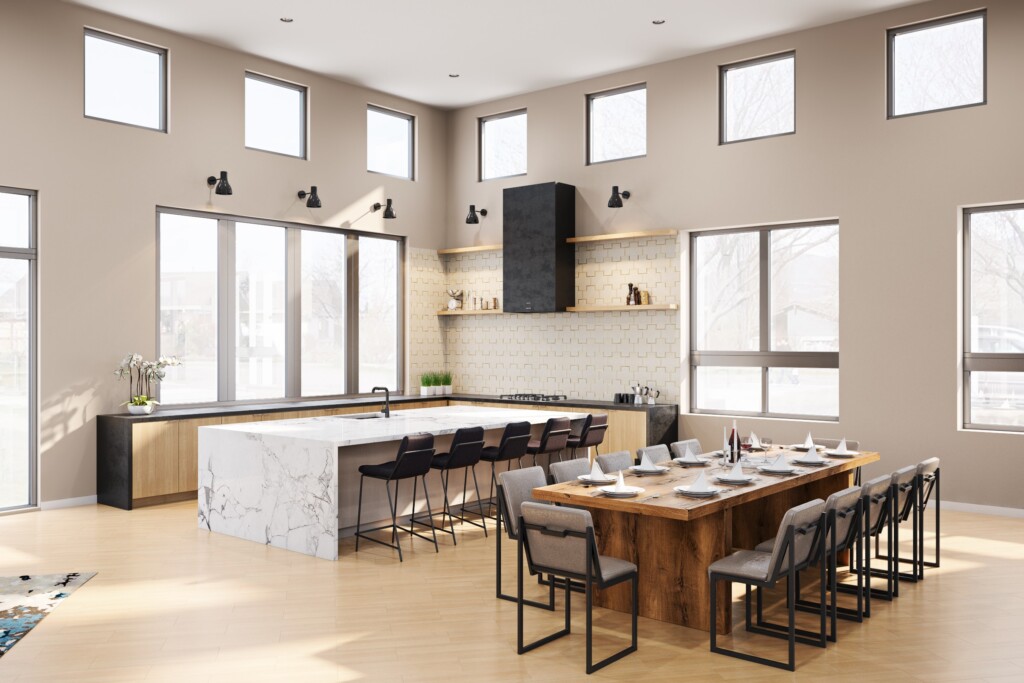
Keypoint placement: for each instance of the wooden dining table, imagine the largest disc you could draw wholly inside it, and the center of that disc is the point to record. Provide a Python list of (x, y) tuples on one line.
[(673, 538)]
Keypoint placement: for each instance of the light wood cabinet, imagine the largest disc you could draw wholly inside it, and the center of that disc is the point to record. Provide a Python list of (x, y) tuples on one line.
[(188, 451), (154, 459)]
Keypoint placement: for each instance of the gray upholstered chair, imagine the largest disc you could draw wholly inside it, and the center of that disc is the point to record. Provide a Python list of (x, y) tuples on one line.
[(658, 453), (613, 462), (679, 447), (514, 488), (928, 472), (560, 541), (843, 531), (569, 470), (797, 545), (876, 504), (904, 506)]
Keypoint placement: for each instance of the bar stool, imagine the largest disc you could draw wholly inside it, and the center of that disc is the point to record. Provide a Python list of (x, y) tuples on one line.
[(413, 460), (552, 440), (512, 446), (592, 434), (466, 449)]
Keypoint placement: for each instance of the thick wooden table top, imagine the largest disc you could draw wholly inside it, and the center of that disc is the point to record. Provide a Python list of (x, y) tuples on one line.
[(659, 499)]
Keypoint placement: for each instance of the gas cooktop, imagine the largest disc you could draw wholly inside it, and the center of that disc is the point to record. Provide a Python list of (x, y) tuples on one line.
[(535, 398)]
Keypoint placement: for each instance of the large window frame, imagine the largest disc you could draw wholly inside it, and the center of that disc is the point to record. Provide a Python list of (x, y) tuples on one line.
[(481, 142), (303, 113), (226, 273), (591, 98), (164, 55), (723, 100), (764, 358), (411, 119), (976, 361), (890, 67), (31, 255)]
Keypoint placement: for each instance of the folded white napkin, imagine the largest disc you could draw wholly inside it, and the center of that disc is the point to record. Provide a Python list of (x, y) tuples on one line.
[(701, 484), (842, 446), (809, 443), (690, 455), (813, 456), (620, 484), (737, 472), (780, 463), (754, 441), (645, 462), (596, 472)]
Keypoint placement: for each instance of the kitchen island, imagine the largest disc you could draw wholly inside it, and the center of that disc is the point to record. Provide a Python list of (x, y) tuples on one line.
[(293, 484)]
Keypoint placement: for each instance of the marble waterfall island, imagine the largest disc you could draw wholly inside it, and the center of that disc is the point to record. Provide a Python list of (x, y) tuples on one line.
[(293, 484)]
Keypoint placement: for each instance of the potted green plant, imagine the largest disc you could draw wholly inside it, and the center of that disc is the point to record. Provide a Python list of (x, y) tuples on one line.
[(143, 376), (446, 382), (427, 384)]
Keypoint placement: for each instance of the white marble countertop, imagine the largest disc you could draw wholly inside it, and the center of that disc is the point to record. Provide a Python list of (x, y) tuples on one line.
[(343, 430)]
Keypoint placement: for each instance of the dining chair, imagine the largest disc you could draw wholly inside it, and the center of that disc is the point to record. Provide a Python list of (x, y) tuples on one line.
[(658, 453), (905, 506), (514, 488), (559, 541), (678, 448), (591, 435), (797, 545), (928, 475), (412, 462), (613, 462), (877, 517), (569, 470)]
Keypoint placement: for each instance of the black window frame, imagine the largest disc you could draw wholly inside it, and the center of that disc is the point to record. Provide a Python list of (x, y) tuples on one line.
[(591, 97), (165, 58), (303, 114), (411, 118), (481, 121)]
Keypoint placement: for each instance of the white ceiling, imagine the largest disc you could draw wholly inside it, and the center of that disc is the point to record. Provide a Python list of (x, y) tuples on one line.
[(500, 47)]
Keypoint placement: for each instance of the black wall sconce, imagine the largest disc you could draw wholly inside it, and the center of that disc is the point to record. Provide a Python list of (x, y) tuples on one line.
[(314, 199), (223, 186), (389, 211), (472, 218), (615, 202)]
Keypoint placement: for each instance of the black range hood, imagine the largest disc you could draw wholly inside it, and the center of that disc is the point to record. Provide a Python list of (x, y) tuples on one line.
[(539, 265)]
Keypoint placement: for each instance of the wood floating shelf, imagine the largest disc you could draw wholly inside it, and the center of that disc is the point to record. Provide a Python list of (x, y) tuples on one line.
[(469, 250), (490, 311), (640, 234), (623, 307)]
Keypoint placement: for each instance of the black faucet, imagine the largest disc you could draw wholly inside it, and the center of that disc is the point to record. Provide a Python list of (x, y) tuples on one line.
[(387, 400)]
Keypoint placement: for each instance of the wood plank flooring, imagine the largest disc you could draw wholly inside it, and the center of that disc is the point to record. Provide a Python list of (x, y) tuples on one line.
[(173, 603)]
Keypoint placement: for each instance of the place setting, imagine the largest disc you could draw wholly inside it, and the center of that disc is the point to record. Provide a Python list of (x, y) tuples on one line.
[(779, 467), (811, 455), (596, 477), (647, 468), (736, 476), (691, 459), (699, 488), (841, 451), (619, 489)]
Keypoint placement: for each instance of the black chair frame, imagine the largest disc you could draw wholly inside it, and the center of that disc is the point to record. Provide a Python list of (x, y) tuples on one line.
[(925, 484), (588, 427), (863, 563), (789, 631), (395, 526), (909, 511), (545, 438), (517, 444), (446, 509), (503, 513), (588, 579)]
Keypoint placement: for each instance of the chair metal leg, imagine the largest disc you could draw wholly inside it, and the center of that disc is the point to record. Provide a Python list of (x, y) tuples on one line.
[(430, 514), (521, 646), (550, 606), (359, 510)]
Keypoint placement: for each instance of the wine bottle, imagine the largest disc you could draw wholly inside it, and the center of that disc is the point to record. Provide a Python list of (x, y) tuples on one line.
[(734, 444)]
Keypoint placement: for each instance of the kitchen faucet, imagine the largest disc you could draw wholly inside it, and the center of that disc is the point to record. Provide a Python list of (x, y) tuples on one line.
[(387, 400)]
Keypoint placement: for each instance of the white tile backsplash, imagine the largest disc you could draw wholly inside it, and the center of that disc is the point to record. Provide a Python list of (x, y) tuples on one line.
[(583, 355)]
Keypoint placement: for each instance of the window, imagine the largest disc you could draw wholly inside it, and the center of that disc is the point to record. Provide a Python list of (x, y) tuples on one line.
[(937, 65), (17, 348), (260, 309), (758, 98), (503, 145), (994, 318), (125, 81), (389, 137), (617, 124), (765, 321), (275, 116)]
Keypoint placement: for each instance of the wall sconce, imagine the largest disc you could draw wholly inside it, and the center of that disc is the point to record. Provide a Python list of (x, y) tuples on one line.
[(615, 202), (223, 187), (472, 218), (314, 200), (389, 211)]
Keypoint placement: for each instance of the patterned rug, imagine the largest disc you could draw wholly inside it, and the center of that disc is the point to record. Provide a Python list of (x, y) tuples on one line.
[(25, 600)]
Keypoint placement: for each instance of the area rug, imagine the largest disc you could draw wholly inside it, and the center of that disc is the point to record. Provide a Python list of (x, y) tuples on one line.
[(25, 600)]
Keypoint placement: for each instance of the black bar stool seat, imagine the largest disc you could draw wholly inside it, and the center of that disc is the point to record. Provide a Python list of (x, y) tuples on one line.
[(465, 452)]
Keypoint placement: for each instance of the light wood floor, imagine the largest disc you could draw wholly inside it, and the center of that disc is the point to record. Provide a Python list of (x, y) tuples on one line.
[(172, 603)]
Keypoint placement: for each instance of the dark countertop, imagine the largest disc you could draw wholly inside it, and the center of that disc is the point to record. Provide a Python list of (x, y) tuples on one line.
[(371, 402)]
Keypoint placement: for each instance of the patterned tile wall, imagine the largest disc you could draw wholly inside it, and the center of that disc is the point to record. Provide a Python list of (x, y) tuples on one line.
[(582, 355)]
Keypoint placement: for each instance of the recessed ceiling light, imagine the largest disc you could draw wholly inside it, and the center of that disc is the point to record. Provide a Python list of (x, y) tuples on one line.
[(658, 22), (287, 20), (453, 75)]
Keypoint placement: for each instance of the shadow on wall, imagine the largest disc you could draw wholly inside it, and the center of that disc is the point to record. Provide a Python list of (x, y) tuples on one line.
[(70, 411)]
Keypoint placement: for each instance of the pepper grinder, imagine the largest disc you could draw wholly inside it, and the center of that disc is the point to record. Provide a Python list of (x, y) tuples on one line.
[(629, 297)]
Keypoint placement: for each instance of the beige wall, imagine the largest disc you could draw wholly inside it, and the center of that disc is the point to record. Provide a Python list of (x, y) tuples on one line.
[(99, 182), (894, 185)]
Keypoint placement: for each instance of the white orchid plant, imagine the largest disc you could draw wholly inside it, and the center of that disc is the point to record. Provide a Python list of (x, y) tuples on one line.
[(142, 376)]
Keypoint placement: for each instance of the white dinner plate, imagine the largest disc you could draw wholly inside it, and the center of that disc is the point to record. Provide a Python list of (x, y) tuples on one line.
[(812, 463), (802, 448), (624, 492), (586, 479), (685, 490), (699, 462), (768, 469), (745, 479), (637, 469), (841, 454)]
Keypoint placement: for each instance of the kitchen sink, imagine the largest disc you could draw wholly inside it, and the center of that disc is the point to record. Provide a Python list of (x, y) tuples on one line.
[(365, 416)]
